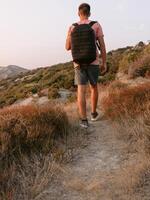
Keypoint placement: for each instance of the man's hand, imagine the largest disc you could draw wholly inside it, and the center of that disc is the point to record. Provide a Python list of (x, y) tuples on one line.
[(103, 69)]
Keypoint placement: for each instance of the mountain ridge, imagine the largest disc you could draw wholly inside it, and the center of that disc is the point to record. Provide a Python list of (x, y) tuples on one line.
[(11, 71)]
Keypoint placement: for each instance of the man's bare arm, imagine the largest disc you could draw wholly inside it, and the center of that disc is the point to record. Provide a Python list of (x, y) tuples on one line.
[(103, 54), (102, 48), (68, 42)]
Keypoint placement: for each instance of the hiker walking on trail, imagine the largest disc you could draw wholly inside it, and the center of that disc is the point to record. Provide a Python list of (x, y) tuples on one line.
[(83, 39)]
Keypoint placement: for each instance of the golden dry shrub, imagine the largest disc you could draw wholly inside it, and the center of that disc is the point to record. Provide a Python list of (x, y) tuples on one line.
[(140, 67), (128, 107), (124, 100), (29, 128), (27, 131)]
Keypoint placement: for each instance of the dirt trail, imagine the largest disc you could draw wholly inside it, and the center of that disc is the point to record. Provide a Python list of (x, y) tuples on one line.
[(88, 176)]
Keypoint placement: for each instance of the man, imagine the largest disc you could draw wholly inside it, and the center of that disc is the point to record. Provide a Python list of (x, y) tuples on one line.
[(86, 71)]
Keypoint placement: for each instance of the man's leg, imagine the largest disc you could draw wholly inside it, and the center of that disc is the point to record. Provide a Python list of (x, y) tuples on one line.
[(94, 97), (81, 98)]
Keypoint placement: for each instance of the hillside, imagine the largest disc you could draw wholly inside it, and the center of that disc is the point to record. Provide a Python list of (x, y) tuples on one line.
[(41, 81), (45, 154), (128, 62), (11, 71)]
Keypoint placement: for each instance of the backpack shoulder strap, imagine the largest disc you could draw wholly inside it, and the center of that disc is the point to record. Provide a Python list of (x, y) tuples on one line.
[(75, 24), (92, 23)]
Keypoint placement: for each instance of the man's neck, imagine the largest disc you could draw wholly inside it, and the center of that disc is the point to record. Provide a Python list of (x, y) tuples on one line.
[(83, 18)]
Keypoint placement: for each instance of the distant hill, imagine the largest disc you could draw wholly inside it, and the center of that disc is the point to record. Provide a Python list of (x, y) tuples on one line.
[(11, 71)]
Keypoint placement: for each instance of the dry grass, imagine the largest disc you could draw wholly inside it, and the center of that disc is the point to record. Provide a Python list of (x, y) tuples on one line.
[(128, 107), (140, 67), (28, 131), (122, 100), (35, 149), (30, 126), (30, 178), (132, 180)]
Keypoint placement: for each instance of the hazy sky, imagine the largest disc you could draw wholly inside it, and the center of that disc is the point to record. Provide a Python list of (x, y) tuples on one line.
[(33, 32)]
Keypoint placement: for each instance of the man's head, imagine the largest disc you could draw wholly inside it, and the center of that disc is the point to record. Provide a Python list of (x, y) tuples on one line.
[(84, 10)]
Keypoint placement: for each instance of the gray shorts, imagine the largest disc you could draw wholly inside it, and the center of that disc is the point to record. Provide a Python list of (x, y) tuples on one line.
[(85, 74)]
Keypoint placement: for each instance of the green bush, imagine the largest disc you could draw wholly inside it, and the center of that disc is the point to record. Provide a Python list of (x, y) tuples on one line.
[(53, 93), (107, 78)]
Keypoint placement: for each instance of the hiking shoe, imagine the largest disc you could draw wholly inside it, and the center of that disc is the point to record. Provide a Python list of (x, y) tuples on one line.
[(95, 116), (84, 123)]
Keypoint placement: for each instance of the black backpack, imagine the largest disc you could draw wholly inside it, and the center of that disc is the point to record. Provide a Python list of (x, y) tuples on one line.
[(83, 43)]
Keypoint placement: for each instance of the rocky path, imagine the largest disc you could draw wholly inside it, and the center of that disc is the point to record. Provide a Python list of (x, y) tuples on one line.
[(88, 176)]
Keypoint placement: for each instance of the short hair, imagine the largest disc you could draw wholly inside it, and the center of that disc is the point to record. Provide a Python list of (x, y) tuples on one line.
[(84, 9)]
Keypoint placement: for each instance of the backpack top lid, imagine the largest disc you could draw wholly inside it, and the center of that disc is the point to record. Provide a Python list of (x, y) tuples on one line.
[(83, 43), (90, 24)]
